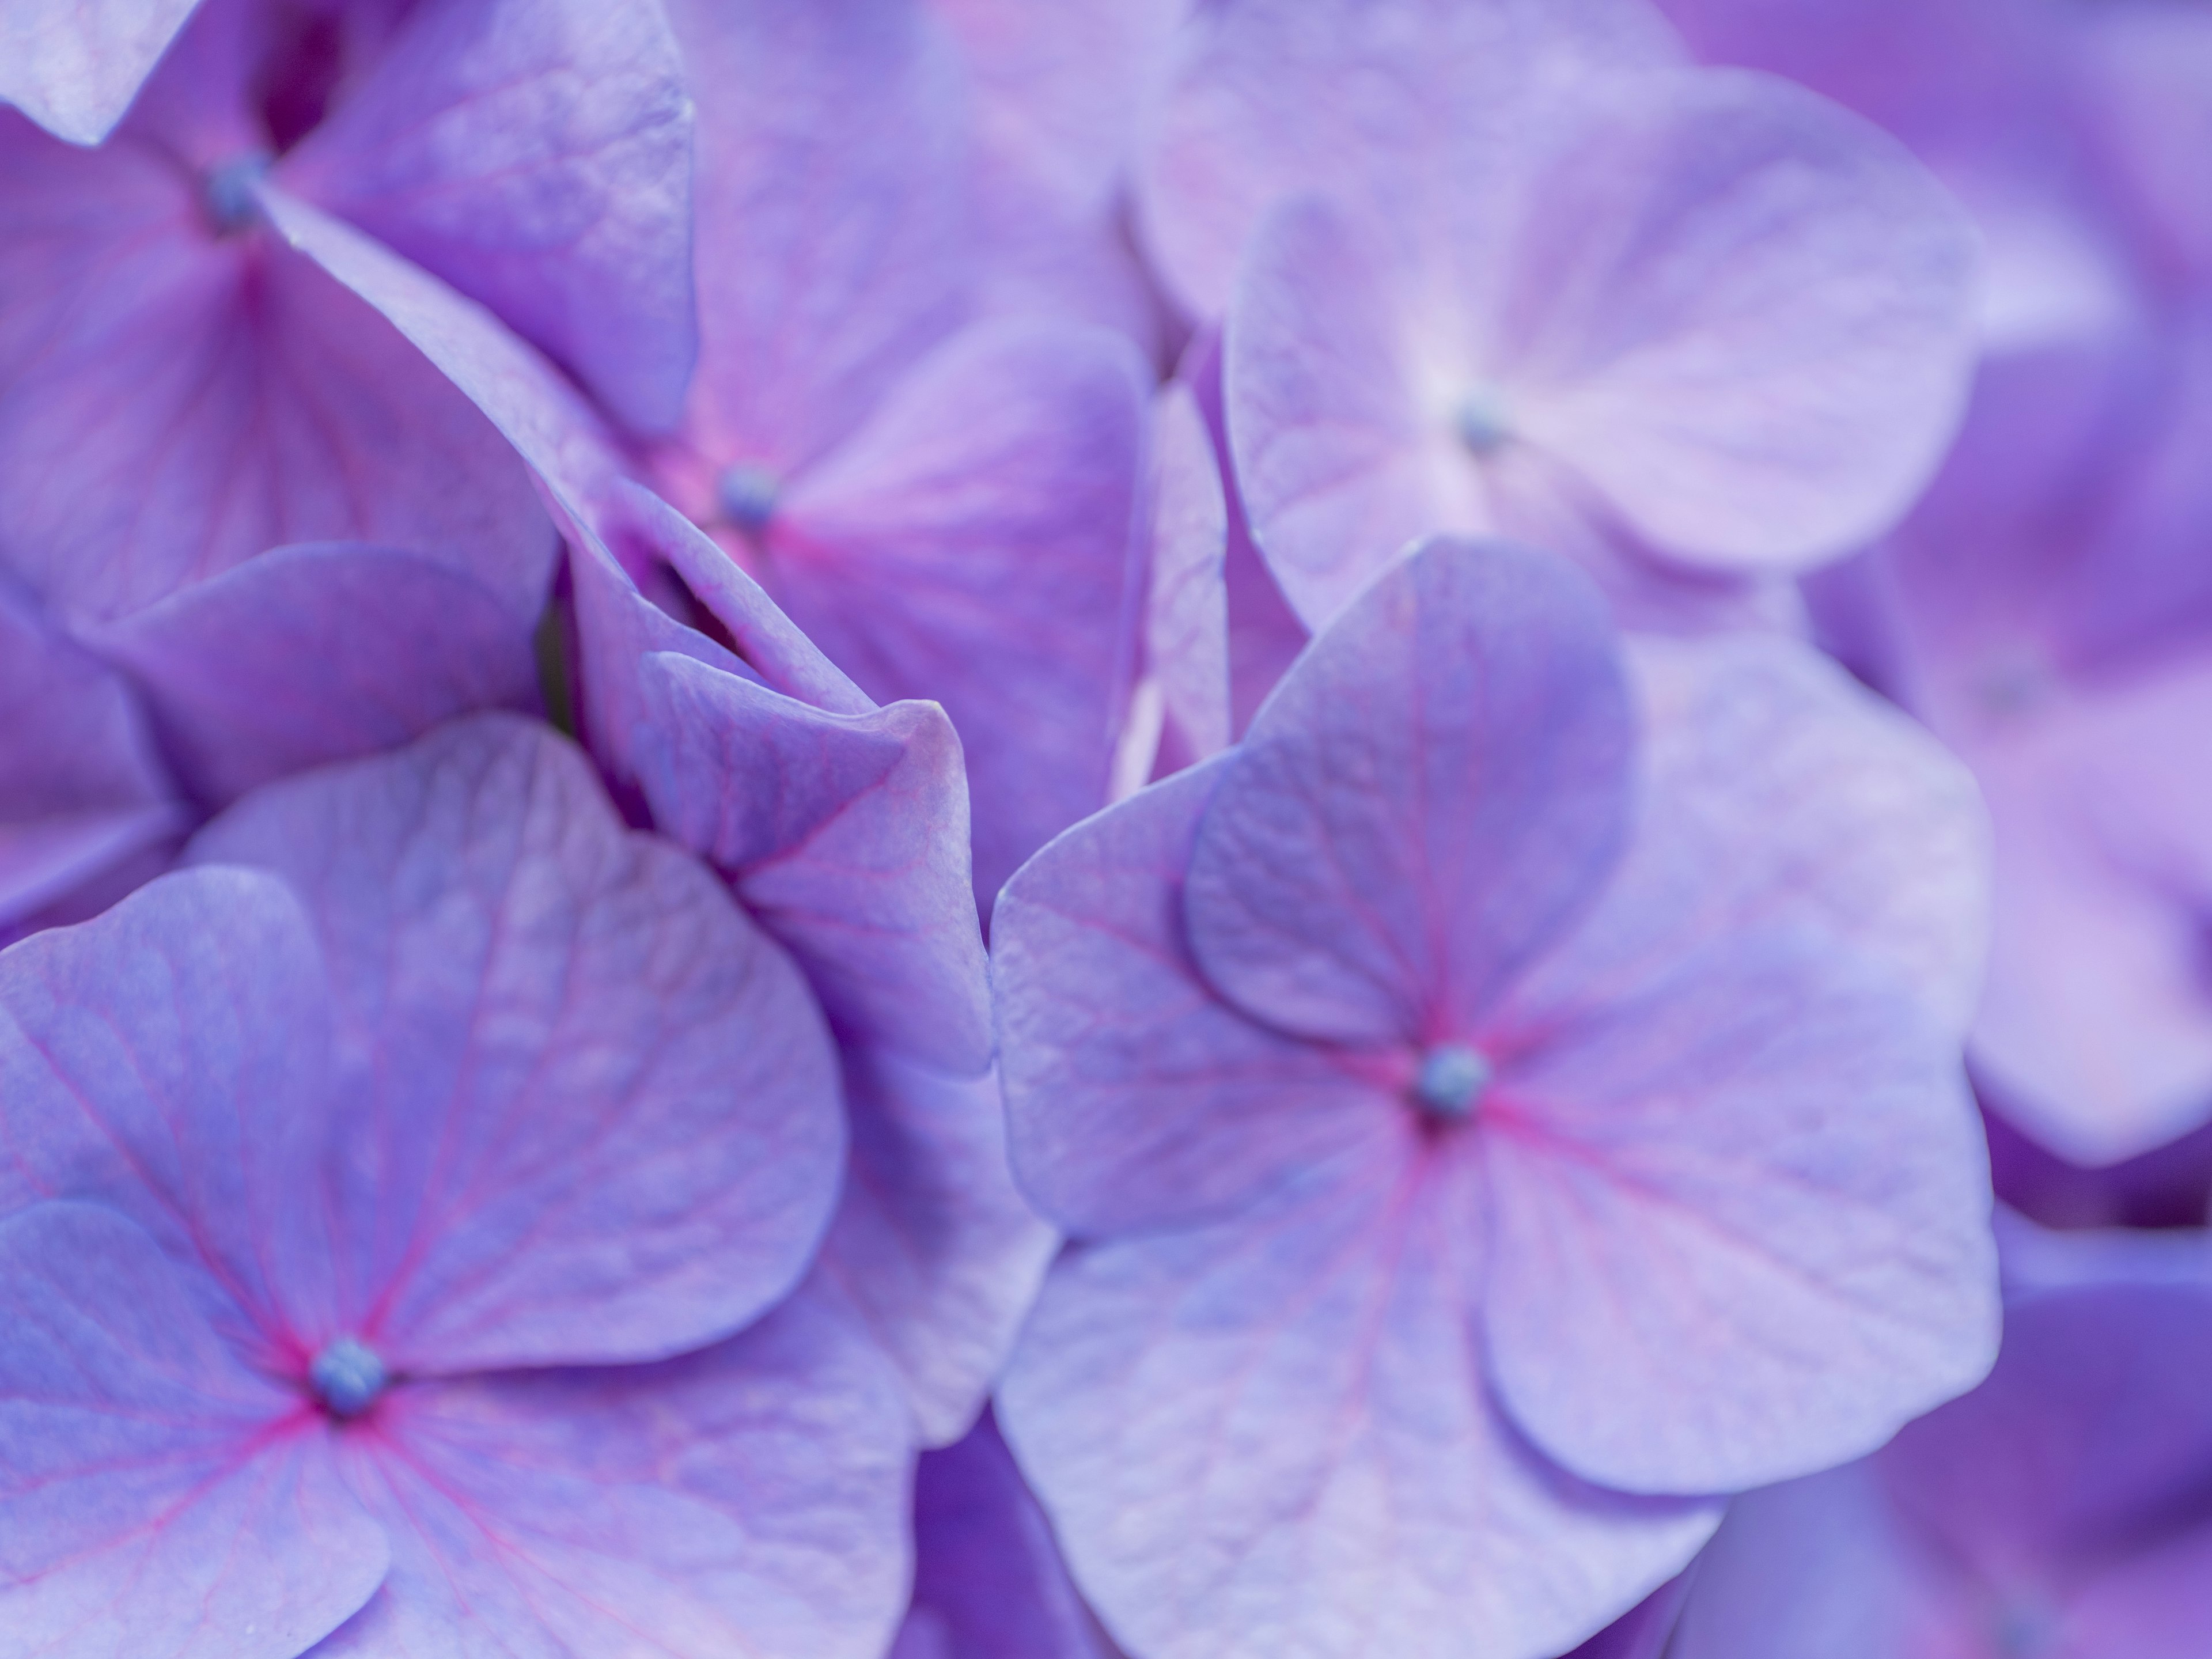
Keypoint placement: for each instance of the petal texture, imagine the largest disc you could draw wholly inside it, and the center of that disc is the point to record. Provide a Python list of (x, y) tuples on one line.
[(74, 67), (524, 983), (157, 1495)]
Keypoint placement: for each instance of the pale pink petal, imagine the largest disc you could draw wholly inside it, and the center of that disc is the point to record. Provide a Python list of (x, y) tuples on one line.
[(750, 1499), (536, 156), (159, 1495), (981, 531), (524, 984), (1135, 1097), (1438, 787), (1274, 1436), (316, 653), (73, 66), (833, 221)]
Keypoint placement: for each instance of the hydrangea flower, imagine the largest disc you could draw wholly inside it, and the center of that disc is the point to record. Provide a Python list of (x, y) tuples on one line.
[(1506, 265), (2058, 1509), (403, 1209), (1488, 1135), (989, 1580), (73, 66)]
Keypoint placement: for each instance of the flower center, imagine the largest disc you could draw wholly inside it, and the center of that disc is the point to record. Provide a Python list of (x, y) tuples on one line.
[(747, 493), (1483, 419), (348, 1378), (228, 193), (1451, 1081)]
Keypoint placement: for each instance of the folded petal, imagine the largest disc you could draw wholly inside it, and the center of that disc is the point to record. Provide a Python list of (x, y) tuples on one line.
[(748, 1499), (165, 1060), (1384, 108), (158, 1495), (567, 446), (1136, 1096), (934, 1252), (74, 68), (309, 654), (979, 532), (1274, 1436), (843, 829), (522, 984), (1744, 1184), (537, 157), (174, 404), (82, 786), (832, 222), (1762, 355), (1433, 793)]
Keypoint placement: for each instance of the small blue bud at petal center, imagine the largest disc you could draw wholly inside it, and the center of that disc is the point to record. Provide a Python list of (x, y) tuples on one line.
[(1452, 1079), (747, 493), (1483, 420), (228, 193), (347, 1377)]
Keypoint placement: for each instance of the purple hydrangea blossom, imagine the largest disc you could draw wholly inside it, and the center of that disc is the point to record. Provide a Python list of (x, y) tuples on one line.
[(402, 1211), (2058, 1509), (1534, 274), (1483, 1145)]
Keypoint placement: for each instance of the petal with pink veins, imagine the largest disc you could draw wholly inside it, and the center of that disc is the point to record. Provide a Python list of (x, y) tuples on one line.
[(158, 1495), (747, 1499), (1274, 1436), (1437, 790), (523, 984), (1136, 1097), (174, 404), (979, 530), (536, 156)]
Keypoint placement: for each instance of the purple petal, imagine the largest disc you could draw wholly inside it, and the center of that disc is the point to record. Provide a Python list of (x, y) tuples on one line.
[(832, 246), (1372, 106), (522, 983), (1743, 1178), (1274, 1436), (1863, 823), (74, 67), (175, 404), (1767, 355), (1339, 465), (843, 829), (1438, 788), (933, 1251), (82, 785), (1187, 605), (158, 1494), (566, 448), (989, 1580), (168, 1060), (536, 155), (744, 1500), (979, 531), (1135, 1097), (309, 654)]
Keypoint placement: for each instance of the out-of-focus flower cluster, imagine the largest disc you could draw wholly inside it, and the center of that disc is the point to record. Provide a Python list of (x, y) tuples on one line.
[(1057, 829)]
